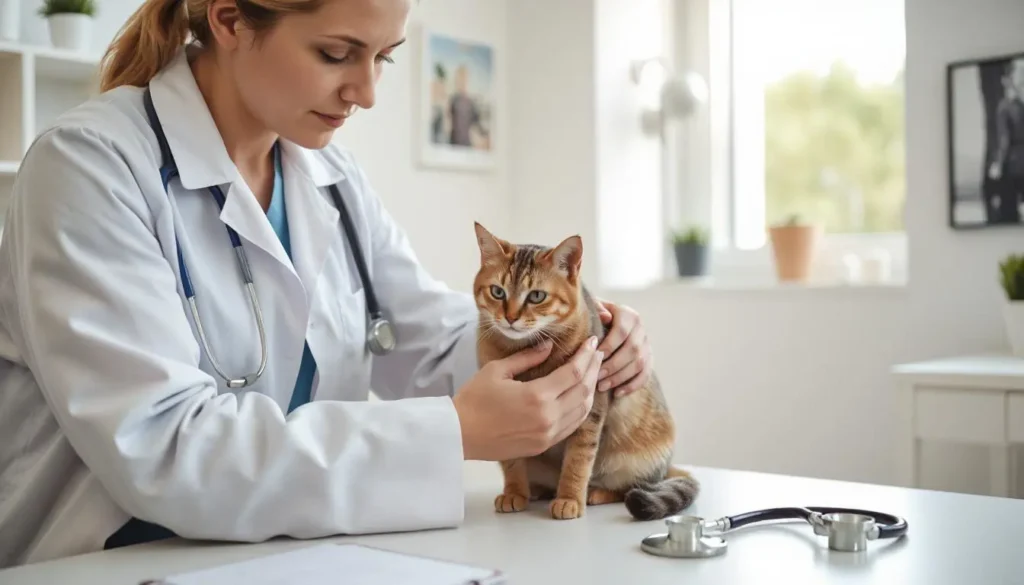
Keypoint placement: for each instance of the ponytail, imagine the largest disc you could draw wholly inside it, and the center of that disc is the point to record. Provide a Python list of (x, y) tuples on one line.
[(145, 44), (156, 32)]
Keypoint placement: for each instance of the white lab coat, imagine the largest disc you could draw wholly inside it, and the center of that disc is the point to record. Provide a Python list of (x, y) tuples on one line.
[(109, 409)]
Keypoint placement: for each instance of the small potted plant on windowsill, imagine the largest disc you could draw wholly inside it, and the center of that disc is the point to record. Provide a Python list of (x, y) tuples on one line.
[(70, 22), (794, 245), (1011, 272), (691, 250)]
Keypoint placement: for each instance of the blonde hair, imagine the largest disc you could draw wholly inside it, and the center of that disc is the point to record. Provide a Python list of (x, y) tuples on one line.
[(158, 29)]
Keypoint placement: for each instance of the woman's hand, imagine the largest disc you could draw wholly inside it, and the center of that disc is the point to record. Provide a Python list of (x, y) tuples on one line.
[(630, 361), (504, 419)]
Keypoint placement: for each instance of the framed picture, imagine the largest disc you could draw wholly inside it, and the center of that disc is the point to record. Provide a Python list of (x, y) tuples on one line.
[(457, 101), (985, 104)]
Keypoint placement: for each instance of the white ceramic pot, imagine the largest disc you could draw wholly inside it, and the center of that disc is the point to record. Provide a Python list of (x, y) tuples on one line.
[(1013, 318), (10, 20), (70, 31)]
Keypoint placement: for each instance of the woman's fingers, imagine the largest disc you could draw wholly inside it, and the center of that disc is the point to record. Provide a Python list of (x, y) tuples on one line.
[(572, 372), (575, 405)]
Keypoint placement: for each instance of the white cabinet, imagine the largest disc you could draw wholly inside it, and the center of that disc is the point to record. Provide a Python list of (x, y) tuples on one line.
[(37, 84), (977, 400)]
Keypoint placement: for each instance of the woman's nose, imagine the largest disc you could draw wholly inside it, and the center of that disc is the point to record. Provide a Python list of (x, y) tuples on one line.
[(360, 88)]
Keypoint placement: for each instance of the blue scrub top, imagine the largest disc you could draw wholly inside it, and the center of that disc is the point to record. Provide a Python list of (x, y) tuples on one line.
[(278, 216)]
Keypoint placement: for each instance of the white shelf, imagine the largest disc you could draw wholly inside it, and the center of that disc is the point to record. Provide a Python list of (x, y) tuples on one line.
[(54, 63), (37, 84)]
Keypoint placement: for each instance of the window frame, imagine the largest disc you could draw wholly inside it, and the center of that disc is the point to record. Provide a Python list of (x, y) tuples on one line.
[(703, 42)]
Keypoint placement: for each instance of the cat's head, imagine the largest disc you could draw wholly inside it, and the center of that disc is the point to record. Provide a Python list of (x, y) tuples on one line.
[(525, 289)]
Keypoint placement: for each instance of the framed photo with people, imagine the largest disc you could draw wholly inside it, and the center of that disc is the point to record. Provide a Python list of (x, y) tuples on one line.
[(985, 102), (457, 102)]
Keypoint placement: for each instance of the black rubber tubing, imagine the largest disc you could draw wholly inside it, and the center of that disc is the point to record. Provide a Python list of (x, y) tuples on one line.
[(889, 526)]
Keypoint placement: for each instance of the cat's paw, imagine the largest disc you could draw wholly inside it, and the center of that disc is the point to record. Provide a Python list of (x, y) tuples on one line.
[(598, 496), (506, 503), (566, 509)]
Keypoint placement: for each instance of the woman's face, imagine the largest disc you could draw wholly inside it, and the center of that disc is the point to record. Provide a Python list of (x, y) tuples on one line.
[(307, 74)]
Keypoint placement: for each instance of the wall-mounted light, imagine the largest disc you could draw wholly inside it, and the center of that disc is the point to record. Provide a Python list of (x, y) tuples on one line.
[(665, 95)]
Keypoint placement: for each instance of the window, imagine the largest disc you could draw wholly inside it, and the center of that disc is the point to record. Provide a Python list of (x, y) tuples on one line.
[(815, 116)]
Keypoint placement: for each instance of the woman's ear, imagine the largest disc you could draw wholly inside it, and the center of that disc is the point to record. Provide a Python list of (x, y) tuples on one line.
[(226, 26)]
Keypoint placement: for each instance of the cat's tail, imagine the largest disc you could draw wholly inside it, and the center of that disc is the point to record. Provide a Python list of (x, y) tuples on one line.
[(671, 495)]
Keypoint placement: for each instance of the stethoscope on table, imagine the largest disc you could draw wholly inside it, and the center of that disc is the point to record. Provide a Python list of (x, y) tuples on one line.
[(847, 529), (380, 335)]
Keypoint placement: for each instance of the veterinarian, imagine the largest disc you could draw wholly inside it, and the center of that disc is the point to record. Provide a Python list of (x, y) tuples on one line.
[(198, 291)]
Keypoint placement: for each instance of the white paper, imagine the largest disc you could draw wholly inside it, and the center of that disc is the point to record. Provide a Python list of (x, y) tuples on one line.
[(334, 564)]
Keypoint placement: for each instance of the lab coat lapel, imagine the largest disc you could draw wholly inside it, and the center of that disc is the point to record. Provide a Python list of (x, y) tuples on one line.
[(203, 160), (243, 214), (312, 218)]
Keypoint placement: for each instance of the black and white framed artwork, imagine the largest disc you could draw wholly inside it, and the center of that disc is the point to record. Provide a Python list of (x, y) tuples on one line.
[(985, 101)]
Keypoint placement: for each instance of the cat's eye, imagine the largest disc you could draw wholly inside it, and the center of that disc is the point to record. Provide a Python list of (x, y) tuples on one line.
[(497, 292), (536, 296)]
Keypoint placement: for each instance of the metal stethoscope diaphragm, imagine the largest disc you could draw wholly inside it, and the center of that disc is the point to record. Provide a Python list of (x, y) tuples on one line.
[(847, 529)]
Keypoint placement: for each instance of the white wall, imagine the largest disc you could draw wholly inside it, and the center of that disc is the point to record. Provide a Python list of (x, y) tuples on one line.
[(954, 300), (431, 202), (797, 381), (553, 150)]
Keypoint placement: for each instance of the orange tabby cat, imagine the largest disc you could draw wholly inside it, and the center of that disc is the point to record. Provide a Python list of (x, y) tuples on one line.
[(623, 450)]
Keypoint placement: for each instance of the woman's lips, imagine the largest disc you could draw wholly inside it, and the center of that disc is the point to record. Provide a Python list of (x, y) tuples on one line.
[(332, 121)]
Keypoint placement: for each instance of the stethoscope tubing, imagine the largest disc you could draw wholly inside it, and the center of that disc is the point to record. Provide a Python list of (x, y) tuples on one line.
[(889, 525), (168, 171)]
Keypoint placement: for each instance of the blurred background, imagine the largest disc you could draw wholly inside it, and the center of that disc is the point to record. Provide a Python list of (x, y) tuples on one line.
[(766, 181)]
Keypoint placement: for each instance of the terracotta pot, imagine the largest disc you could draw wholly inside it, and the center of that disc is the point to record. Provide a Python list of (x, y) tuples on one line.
[(793, 248)]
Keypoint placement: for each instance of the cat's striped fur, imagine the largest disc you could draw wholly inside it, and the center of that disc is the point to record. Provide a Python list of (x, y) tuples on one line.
[(623, 450)]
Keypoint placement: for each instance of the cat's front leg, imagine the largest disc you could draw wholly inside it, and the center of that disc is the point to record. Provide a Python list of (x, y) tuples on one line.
[(577, 466), (516, 495)]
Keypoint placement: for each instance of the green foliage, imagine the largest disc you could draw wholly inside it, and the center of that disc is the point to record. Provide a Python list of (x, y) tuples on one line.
[(830, 140), (1011, 272), (51, 7), (791, 220), (692, 235)]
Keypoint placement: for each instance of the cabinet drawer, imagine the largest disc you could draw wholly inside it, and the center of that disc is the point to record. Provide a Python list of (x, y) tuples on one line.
[(1015, 418), (964, 416)]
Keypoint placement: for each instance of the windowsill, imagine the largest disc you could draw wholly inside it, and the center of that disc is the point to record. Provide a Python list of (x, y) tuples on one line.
[(711, 286)]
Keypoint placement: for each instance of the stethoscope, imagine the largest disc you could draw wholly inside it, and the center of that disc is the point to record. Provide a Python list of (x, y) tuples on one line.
[(847, 529), (380, 335)]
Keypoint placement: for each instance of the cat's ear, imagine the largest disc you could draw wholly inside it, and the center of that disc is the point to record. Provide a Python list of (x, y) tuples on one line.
[(492, 248), (567, 257)]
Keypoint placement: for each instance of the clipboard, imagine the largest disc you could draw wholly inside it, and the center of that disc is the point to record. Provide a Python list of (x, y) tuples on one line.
[(330, 564)]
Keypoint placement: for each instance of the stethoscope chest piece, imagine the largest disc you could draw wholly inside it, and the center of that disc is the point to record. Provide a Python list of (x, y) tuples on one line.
[(685, 539), (846, 532), (380, 336)]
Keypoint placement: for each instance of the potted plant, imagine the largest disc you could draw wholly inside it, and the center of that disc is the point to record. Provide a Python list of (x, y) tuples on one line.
[(794, 244), (691, 249), (1011, 272), (70, 22)]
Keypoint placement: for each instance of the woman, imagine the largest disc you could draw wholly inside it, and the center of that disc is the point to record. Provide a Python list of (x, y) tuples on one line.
[(117, 423)]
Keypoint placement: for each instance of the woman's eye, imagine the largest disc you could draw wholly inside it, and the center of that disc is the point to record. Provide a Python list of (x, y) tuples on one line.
[(332, 58), (536, 296), (384, 58), (497, 292)]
